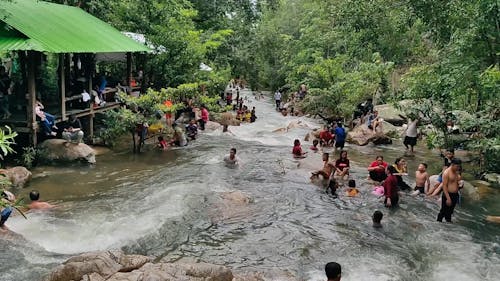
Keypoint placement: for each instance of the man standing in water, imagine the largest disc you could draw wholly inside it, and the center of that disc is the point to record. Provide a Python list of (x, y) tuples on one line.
[(411, 136), (450, 196), (333, 271)]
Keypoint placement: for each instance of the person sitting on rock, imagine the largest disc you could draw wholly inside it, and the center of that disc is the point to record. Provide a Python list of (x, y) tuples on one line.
[(7, 198), (73, 132), (374, 121), (36, 203)]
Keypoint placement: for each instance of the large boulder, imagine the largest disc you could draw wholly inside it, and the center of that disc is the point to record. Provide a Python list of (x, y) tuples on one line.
[(361, 135), (61, 150), (212, 126), (227, 118), (18, 175), (390, 114), (492, 178), (116, 266), (314, 134), (103, 263)]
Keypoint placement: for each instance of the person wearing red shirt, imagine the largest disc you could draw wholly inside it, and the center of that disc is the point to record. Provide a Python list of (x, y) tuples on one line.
[(204, 117), (326, 137), (297, 150), (342, 165), (391, 188), (377, 169)]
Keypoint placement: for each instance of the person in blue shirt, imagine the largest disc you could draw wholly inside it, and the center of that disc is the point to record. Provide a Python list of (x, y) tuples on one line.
[(339, 136)]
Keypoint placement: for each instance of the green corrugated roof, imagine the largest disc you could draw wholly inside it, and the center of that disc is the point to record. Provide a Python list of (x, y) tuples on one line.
[(54, 28)]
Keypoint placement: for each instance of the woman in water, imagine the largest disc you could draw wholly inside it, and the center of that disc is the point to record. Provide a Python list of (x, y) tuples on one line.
[(377, 169), (342, 165), (401, 170)]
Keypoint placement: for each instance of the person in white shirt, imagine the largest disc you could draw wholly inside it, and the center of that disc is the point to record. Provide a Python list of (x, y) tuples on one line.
[(232, 159), (411, 135), (277, 98)]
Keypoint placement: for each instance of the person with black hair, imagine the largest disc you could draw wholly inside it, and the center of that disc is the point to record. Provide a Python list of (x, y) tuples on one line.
[(36, 203), (377, 218), (333, 271), (5, 212), (391, 188), (450, 196), (232, 159)]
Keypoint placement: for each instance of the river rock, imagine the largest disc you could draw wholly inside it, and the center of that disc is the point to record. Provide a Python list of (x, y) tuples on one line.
[(61, 150), (176, 271), (227, 118), (361, 135), (492, 178), (18, 175), (390, 114), (314, 134), (212, 126), (103, 263)]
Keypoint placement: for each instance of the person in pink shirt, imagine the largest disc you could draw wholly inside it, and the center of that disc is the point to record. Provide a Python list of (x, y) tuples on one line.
[(204, 117)]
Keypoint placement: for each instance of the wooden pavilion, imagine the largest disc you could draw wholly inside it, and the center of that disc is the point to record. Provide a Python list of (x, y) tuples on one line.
[(34, 28)]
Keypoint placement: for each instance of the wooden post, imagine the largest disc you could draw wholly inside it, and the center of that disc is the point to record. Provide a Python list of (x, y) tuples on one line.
[(129, 71), (32, 123), (89, 71), (62, 77)]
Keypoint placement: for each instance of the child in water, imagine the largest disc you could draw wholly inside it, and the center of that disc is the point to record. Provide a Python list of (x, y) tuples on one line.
[(162, 144), (314, 147), (352, 190), (297, 150), (332, 187), (377, 218), (422, 182)]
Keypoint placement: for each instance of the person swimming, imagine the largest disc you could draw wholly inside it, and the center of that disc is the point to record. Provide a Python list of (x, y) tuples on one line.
[(377, 218), (352, 190), (232, 159), (36, 203)]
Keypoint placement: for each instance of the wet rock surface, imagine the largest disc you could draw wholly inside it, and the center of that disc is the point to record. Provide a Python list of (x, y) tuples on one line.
[(62, 151), (19, 176)]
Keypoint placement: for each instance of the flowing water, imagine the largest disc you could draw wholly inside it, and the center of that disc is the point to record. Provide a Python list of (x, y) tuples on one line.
[(164, 204)]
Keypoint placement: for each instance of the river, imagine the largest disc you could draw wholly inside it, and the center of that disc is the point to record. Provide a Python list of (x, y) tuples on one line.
[(161, 204)]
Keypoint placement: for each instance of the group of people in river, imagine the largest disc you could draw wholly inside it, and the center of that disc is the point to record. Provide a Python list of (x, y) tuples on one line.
[(199, 117), (387, 179)]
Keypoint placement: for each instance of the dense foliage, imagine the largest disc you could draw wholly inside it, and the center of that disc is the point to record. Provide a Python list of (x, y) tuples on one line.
[(444, 55)]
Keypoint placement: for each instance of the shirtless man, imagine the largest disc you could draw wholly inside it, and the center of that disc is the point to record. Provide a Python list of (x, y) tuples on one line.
[(36, 203), (327, 170), (449, 199), (422, 181)]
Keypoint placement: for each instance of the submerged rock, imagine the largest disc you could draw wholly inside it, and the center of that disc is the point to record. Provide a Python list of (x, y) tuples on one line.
[(61, 150), (18, 175)]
